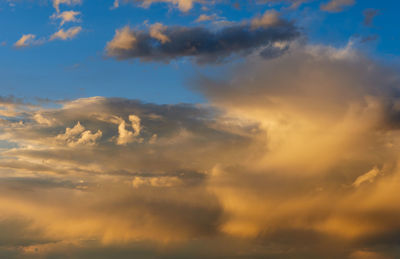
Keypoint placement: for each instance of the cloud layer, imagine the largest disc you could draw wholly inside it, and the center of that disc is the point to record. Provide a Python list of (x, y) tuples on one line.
[(294, 157)]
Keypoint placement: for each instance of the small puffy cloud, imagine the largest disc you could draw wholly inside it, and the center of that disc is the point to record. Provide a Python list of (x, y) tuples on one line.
[(66, 16), (336, 5), (66, 34), (124, 39), (269, 18), (162, 43), (25, 41)]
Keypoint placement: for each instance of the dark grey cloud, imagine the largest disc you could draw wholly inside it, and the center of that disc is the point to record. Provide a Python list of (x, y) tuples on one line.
[(204, 45)]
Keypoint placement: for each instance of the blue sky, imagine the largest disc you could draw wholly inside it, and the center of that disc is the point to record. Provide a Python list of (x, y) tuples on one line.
[(79, 67)]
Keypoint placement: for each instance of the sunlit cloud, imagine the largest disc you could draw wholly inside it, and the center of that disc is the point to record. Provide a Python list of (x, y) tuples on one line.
[(26, 40)]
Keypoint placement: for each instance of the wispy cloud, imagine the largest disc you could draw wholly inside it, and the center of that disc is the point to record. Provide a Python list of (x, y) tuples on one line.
[(66, 34), (27, 40), (336, 5), (66, 16)]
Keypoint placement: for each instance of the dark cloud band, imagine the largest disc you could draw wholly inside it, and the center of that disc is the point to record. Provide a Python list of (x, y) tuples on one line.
[(202, 44)]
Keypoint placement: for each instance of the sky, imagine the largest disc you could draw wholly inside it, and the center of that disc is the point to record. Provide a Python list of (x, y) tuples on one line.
[(199, 129)]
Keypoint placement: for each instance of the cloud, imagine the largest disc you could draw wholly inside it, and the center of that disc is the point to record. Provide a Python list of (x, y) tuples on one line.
[(115, 4), (336, 5), (316, 102), (66, 35), (269, 19), (293, 3), (79, 136), (57, 3), (25, 41), (66, 16), (288, 156), (205, 17), (369, 15), (183, 5), (157, 32), (123, 40), (125, 136), (367, 177), (203, 45)]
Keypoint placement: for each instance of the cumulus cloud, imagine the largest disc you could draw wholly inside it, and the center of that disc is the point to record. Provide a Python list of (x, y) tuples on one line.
[(79, 136), (336, 5), (162, 43), (125, 136), (66, 34)]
